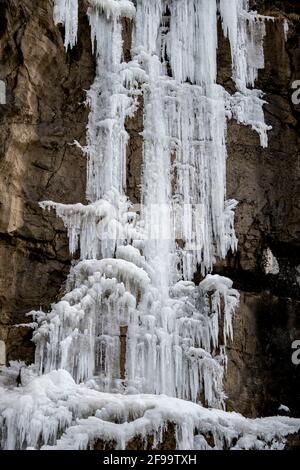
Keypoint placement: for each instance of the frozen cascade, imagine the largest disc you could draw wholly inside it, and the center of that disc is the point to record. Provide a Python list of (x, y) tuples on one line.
[(134, 276)]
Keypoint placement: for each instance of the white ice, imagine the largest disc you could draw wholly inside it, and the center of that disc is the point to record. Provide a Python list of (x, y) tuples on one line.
[(66, 13), (136, 265)]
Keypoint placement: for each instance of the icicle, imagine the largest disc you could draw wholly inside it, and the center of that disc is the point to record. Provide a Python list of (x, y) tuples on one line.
[(66, 13), (110, 105), (286, 29), (53, 413), (114, 8), (246, 31), (192, 41), (147, 24), (184, 222), (100, 227)]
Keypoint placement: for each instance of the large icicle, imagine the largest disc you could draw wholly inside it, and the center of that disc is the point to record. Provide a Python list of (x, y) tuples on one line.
[(192, 41), (184, 222), (246, 31)]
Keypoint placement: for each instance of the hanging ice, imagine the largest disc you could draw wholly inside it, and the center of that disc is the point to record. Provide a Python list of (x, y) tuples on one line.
[(132, 320), (66, 13), (286, 29), (246, 31)]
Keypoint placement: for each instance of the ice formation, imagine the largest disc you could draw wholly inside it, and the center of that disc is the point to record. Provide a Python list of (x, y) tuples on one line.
[(286, 28), (134, 278), (53, 412), (66, 14)]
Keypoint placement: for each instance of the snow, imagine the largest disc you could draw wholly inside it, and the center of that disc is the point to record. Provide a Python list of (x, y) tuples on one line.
[(125, 271), (114, 8), (246, 31), (286, 28), (136, 264), (53, 413), (284, 408)]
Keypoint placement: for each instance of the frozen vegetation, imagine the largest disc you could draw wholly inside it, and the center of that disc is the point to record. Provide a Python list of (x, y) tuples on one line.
[(136, 266)]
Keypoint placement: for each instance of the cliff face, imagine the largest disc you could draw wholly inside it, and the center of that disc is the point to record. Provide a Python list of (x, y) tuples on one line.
[(45, 113)]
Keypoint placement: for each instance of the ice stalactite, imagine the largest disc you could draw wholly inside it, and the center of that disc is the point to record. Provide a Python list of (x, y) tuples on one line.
[(246, 31), (135, 275), (184, 222), (286, 28), (66, 13), (110, 102), (192, 41)]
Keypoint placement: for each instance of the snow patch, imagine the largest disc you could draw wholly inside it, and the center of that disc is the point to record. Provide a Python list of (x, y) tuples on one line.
[(54, 413)]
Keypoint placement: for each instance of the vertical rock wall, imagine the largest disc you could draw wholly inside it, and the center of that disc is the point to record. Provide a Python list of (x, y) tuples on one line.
[(261, 375)]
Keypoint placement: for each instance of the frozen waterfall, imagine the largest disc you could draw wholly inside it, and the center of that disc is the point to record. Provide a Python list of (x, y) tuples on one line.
[(132, 322)]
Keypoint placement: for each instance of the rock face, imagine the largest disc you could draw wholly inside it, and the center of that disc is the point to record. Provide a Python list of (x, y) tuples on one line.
[(45, 113)]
